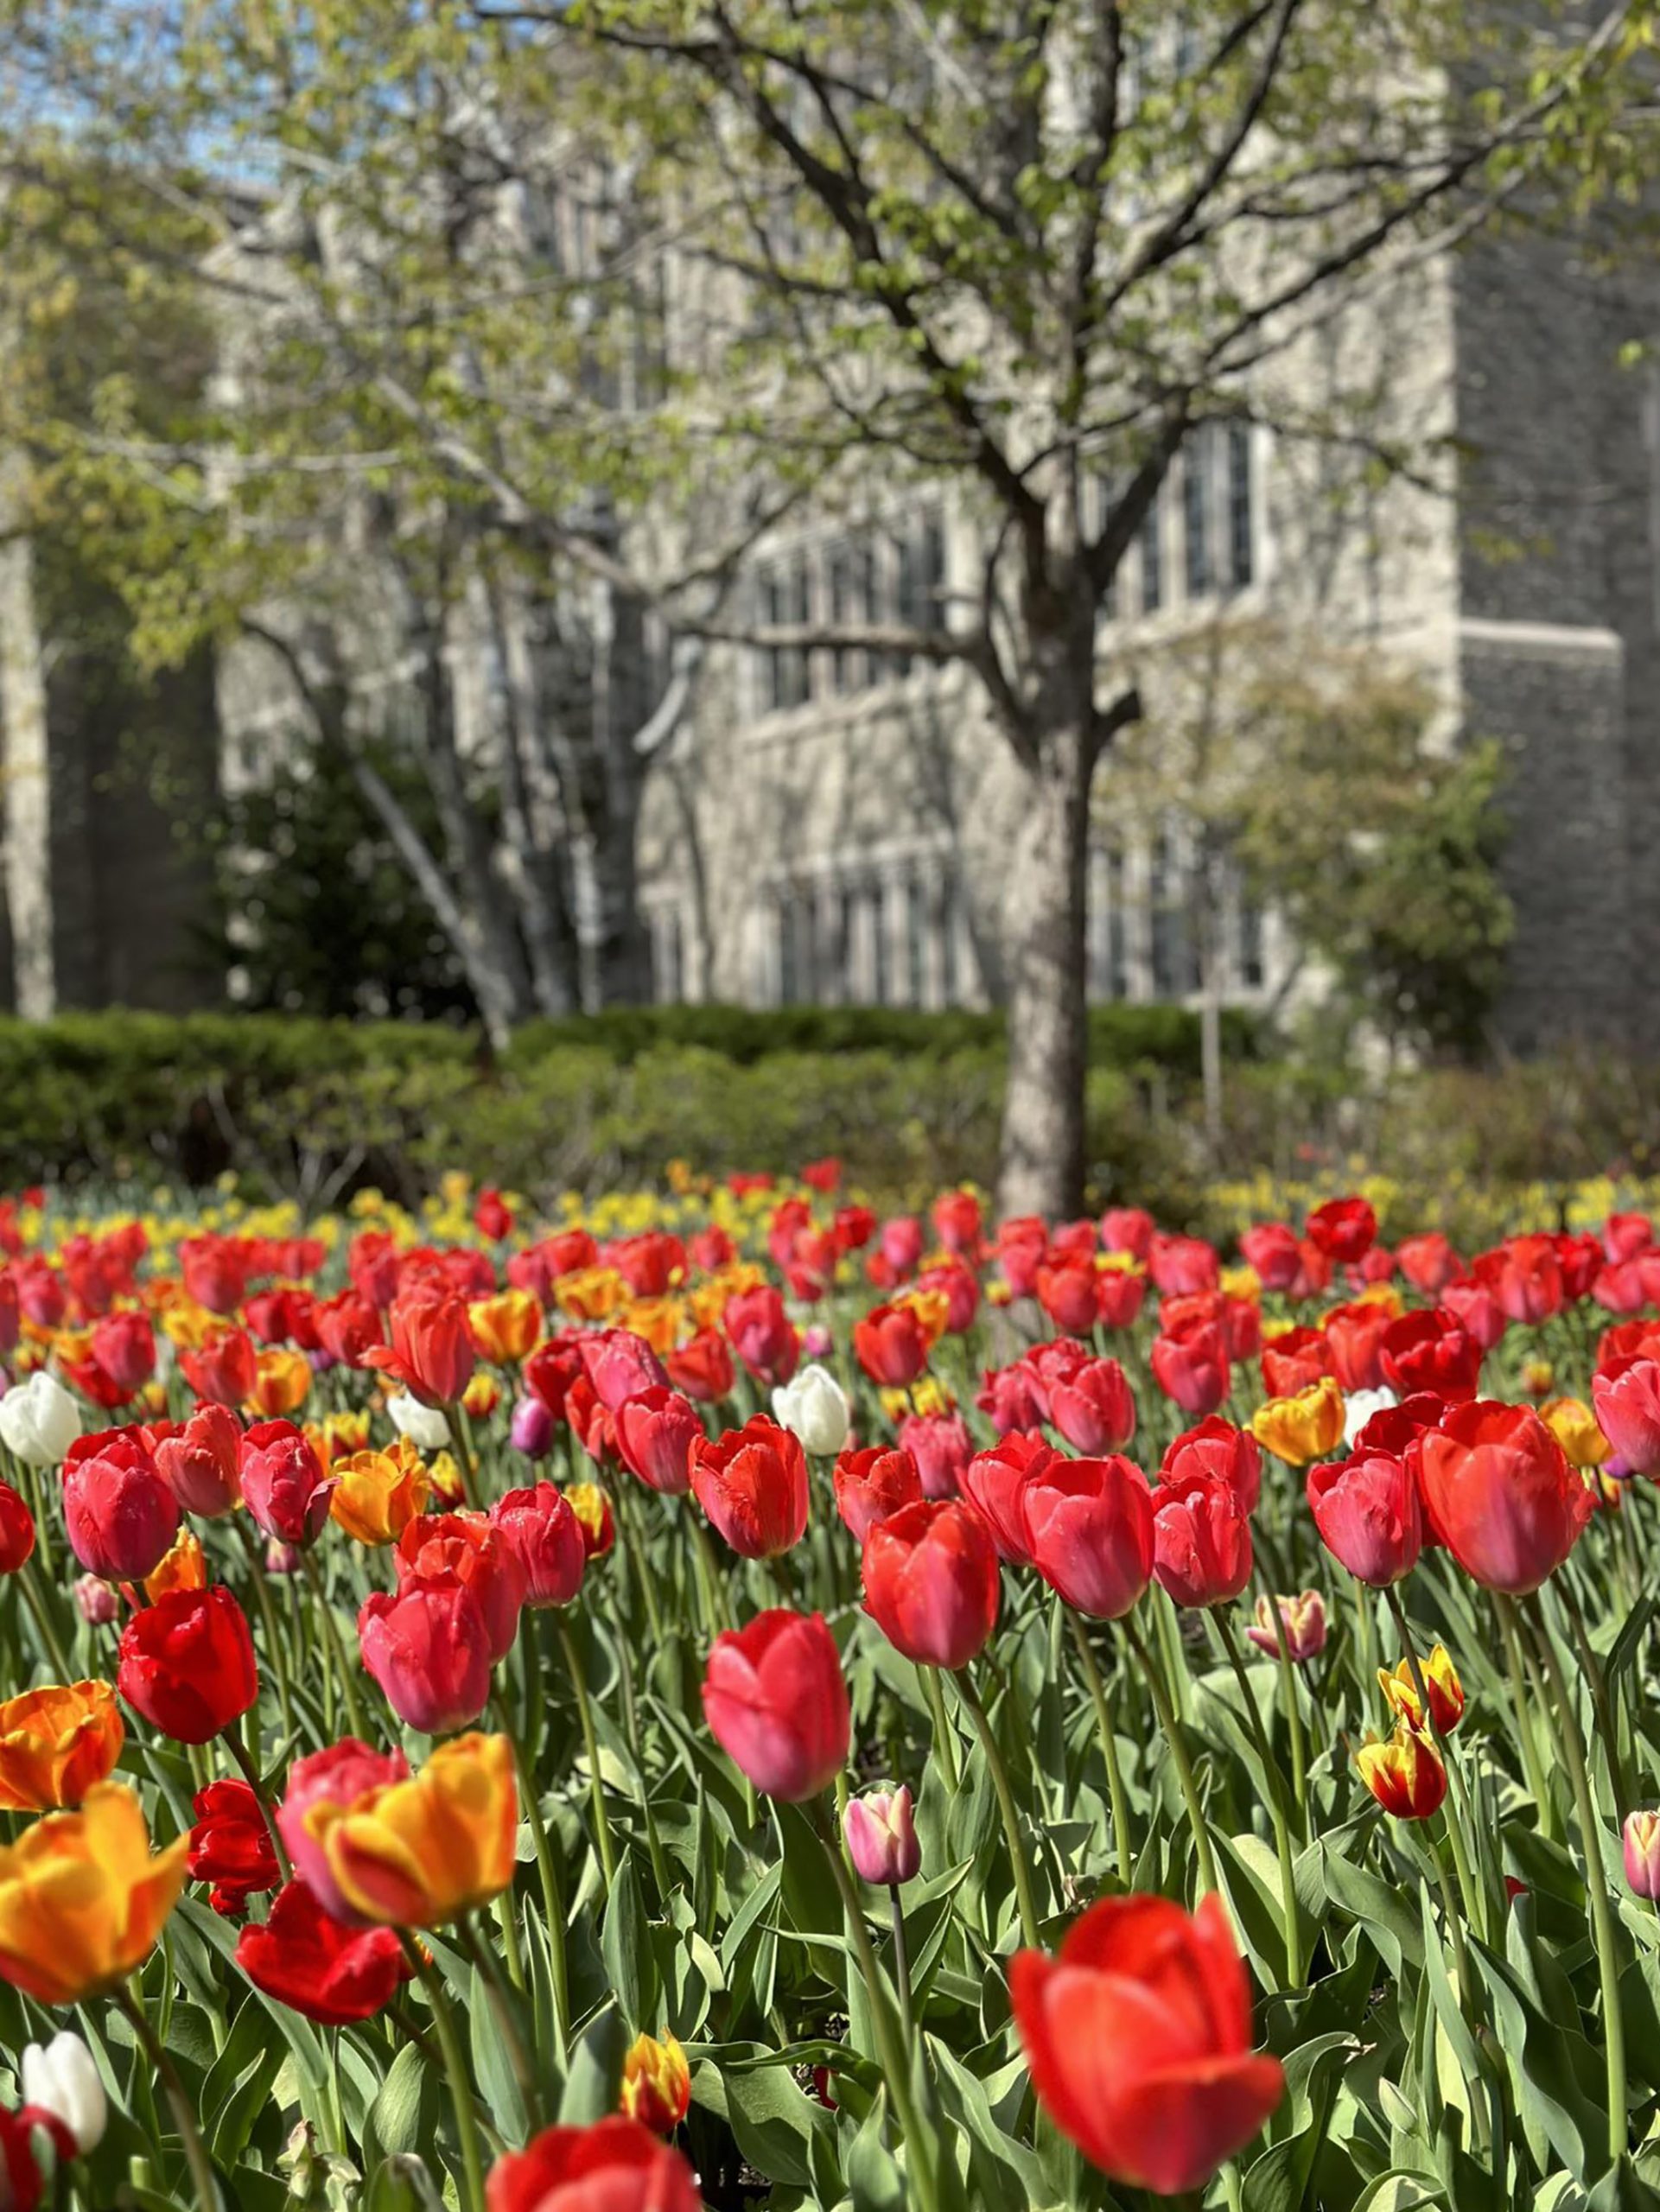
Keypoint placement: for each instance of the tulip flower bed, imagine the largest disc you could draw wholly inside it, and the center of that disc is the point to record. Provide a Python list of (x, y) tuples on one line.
[(739, 1703)]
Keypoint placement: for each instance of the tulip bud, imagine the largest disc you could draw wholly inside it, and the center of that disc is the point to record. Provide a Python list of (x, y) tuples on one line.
[(530, 1430), (1405, 1775), (817, 1342), (1302, 1621), (96, 1601), (815, 1407), (1538, 1378), (61, 2078), (1641, 1836), (881, 1837), (656, 2082), (281, 1558), (1445, 1690)]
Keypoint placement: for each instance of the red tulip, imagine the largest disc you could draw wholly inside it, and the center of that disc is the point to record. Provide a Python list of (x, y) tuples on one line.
[(16, 1530), (1182, 1266), (1013, 1396), (546, 1537), (120, 1515), (932, 1581), (431, 1352), (615, 2166), (304, 1958), (481, 1555), (1428, 1262), (889, 1344), (1067, 1293), (703, 1369), (762, 1334), (1138, 2036), (1274, 1254), (123, 1346), (1525, 1276), (942, 1447), (620, 1366), (225, 1369), (1192, 1371), (1201, 1537), (187, 1663), (752, 1482), (1368, 1514), (656, 1432), (428, 1649), (1428, 1350), (348, 1327), (21, 2180), (777, 1704), (1355, 1334), (1627, 1405), (957, 1220), (1343, 1229), (201, 1462), (873, 1483), (1095, 1411), (338, 1775), (1501, 1494), (283, 1482), (1089, 1530), (1127, 1229), (995, 1483), (1217, 1447), (230, 1846), (1294, 1360), (1477, 1311)]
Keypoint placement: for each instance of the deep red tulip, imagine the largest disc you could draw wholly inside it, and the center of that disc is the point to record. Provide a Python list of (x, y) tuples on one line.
[(225, 1369), (703, 1369), (230, 1846), (1192, 1371), (348, 1327), (338, 1775), (995, 1483), (428, 1649), (620, 1366), (762, 1333), (617, 2165), (1343, 1229), (1138, 2036), (1216, 1447), (1095, 1411), (872, 1484), (942, 1447), (185, 1663), (931, 1582), (431, 1352), (16, 1530), (656, 1432), (777, 1704), (1089, 1530), (1201, 1537), (123, 1346), (120, 1515), (541, 1526), (479, 1554), (283, 1481), (307, 1959), (1428, 1351), (752, 1482), (890, 1345), (1501, 1494), (1368, 1514)]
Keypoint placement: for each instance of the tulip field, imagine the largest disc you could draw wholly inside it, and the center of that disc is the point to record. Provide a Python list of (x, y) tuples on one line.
[(723, 1699)]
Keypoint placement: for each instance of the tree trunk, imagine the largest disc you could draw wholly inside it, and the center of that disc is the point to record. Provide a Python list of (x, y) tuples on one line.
[(1042, 1164), (26, 769)]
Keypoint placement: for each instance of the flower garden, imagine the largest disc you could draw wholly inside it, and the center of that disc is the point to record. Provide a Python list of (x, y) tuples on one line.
[(728, 1699)]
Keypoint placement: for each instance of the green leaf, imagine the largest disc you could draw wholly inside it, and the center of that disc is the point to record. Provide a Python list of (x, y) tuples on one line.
[(625, 1946), (773, 2122)]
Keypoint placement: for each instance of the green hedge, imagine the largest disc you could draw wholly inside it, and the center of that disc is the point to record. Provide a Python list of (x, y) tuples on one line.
[(912, 1100)]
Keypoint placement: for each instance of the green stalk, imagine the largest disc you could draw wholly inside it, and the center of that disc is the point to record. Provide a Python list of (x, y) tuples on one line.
[(1005, 1796), (232, 1739), (43, 1621), (463, 1451), (460, 2090), (552, 1903), (1183, 1764), (1288, 1692), (591, 1746), (945, 1737), (1522, 1710), (1108, 1746), (902, 1966), (1275, 1781), (201, 2171), (267, 1618), (1600, 1703), (1566, 1728), (336, 1649)]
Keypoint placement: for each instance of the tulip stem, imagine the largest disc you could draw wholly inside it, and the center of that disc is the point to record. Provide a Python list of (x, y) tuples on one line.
[(1005, 1796), (201, 2171), (267, 1617), (336, 1649), (633, 1551), (896, 2058), (717, 1614), (461, 2092), (1523, 1707), (230, 1737), (458, 1439), (501, 2004), (1600, 1704), (43, 1621), (591, 1746), (552, 1903), (1108, 1746), (1455, 1779), (1289, 1692), (1275, 1782), (1565, 1725), (1183, 1764), (944, 1738), (901, 1964)]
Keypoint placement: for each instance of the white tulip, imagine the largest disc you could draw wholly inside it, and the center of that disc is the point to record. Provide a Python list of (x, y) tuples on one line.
[(426, 1426), (63, 2080), (39, 1421), (1359, 1407), (815, 1406)]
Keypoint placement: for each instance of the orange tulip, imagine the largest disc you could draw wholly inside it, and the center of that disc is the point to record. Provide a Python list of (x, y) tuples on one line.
[(656, 2082), (55, 1743), (378, 1494), (83, 1899), (507, 1326), (281, 1378), (419, 1852), (185, 1567)]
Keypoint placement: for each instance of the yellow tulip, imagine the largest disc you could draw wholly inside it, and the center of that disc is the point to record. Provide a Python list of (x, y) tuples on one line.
[(656, 2082), (377, 1495), (1574, 1424), (419, 1852), (83, 1899), (1302, 1428), (507, 1326), (185, 1567)]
